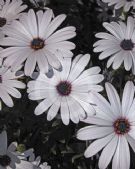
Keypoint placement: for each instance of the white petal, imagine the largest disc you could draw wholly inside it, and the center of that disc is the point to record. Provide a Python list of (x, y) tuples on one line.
[(66, 66), (81, 96), (112, 30), (118, 59), (53, 110), (75, 109), (103, 35), (108, 153), (76, 60), (32, 22), (55, 24), (130, 28), (12, 91), (97, 121), (93, 132), (79, 67), (6, 98), (91, 71), (44, 105), (114, 99), (64, 111), (93, 79), (40, 94), (127, 61), (30, 64), (16, 84), (89, 110), (131, 141), (12, 147), (124, 154), (116, 158), (127, 98), (42, 62), (97, 145), (45, 21), (109, 52), (103, 105), (64, 46), (19, 27), (52, 59), (60, 36), (8, 41)]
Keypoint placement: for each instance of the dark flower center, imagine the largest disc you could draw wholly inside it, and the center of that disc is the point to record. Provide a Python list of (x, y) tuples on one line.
[(3, 22), (127, 44), (64, 88), (5, 160), (129, 0), (37, 44), (121, 126)]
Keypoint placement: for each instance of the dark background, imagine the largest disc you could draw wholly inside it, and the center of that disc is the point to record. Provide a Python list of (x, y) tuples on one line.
[(55, 142)]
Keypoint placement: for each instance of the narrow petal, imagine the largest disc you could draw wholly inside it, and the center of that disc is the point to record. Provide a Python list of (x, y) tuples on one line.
[(79, 67), (64, 111), (114, 99), (93, 132), (127, 98), (53, 110), (124, 154), (97, 145), (44, 105), (108, 153)]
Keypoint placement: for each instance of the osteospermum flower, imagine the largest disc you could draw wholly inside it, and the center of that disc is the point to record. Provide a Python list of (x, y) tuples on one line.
[(127, 4), (34, 38), (119, 44), (113, 128), (10, 10), (8, 158), (67, 90), (9, 84), (36, 162)]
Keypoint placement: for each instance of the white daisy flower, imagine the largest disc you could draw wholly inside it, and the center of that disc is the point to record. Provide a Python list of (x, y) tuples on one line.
[(113, 127), (8, 86), (126, 4), (10, 10), (34, 38), (67, 90), (8, 157), (119, 44), (30, 156)]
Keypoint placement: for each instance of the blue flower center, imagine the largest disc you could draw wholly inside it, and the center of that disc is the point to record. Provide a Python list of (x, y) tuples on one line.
[(127, 44), (121, 126), (64, 88), (37, 44)]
